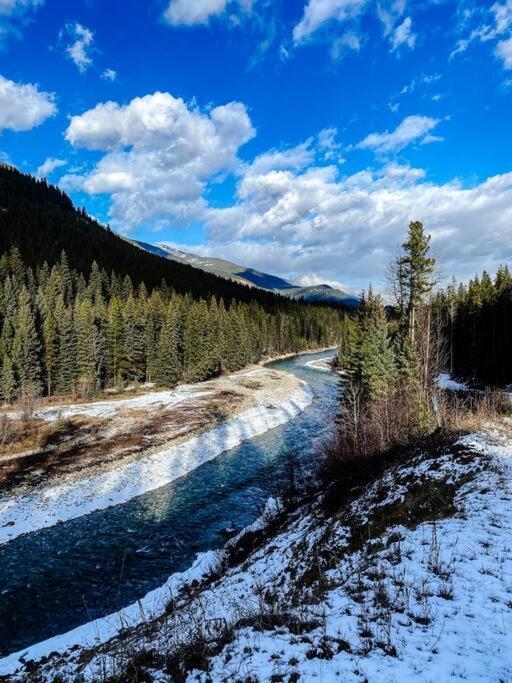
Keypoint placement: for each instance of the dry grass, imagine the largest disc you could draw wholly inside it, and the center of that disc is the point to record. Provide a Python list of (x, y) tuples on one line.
[(472, 413), (369, 437)]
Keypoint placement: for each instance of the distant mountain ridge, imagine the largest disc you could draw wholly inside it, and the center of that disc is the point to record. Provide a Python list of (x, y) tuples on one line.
[(254, 278)]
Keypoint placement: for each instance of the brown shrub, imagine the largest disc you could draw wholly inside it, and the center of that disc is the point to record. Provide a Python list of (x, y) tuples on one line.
[(369, 436)]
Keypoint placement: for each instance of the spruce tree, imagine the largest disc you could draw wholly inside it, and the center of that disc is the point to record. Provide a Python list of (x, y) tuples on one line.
[(7, 381), (50, 351), (415, 272), (67, 352), (168, 366), (26, 345)]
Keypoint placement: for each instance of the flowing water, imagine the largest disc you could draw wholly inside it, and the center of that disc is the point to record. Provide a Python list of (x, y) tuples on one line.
[(55, 579)]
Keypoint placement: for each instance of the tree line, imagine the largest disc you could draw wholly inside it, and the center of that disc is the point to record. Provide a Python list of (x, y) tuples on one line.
[(64, 331), (478, 323), (41, 221)]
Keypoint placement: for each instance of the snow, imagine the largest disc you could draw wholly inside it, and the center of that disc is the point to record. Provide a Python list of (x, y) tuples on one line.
[(321, 364), (50, 505), (444, 381), (448, 583), (430, 603), (107, 409), (150, 606)]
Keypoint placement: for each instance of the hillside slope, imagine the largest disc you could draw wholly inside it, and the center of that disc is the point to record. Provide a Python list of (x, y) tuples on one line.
[(41, 221), (253, 278)]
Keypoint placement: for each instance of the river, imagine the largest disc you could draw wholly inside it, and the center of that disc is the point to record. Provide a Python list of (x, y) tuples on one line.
[(60, 577)]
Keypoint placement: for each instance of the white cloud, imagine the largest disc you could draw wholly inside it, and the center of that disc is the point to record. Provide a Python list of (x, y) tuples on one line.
[(502, 16), (348, 41), (294, 158), (347, 229), (193, 12), (398, 30), (79, 51), (403, 35), (23, 106), (109, 75), (412, 129), (48, 166), (188, 13), (159, 155), (10, 7), (504, 52), (500, 27), (14, 12), (318, 12), (328, 146)]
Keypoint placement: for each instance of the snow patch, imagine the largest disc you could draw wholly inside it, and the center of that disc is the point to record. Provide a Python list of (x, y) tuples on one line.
[(444, 381)]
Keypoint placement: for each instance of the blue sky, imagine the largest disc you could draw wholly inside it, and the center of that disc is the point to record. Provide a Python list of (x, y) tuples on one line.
[(298, 137)]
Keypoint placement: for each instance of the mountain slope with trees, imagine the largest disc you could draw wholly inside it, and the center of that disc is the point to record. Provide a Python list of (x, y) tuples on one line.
[(41, 221), (81, 309)]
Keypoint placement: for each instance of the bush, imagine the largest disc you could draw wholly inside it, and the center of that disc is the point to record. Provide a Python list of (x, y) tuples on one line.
[(368, 432), (369, 435)]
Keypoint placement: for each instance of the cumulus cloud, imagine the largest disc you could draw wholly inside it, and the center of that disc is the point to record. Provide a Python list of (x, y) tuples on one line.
[(412, 129), (347, 228), (318, 12), (23, 106), (79, 50), (50, 165), (159, 154)]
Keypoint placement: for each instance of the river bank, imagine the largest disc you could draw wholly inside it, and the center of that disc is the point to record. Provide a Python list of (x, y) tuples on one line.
[(412, 573), (138, 444), (62, 576)]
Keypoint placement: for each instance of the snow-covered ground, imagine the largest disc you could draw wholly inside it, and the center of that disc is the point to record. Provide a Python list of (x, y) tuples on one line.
[(412, 580), (322, 364), (148, 401), (50, 504), (444, 381)]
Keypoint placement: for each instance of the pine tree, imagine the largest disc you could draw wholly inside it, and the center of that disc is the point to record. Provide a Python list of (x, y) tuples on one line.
[(168, 366), (26, 346), (7, 381)]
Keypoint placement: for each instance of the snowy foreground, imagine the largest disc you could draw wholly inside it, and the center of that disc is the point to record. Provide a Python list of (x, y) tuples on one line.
[(411, 580), (63, 500)]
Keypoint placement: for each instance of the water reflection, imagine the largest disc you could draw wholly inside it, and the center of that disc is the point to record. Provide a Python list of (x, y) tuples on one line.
[(55, 579)]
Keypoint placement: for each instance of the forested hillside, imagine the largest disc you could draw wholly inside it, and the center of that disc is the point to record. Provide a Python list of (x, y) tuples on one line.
[(63, 331), (41, 221)]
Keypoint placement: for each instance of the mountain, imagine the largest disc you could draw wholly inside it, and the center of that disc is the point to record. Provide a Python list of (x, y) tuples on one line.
[(41, 221), (253, 278)]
